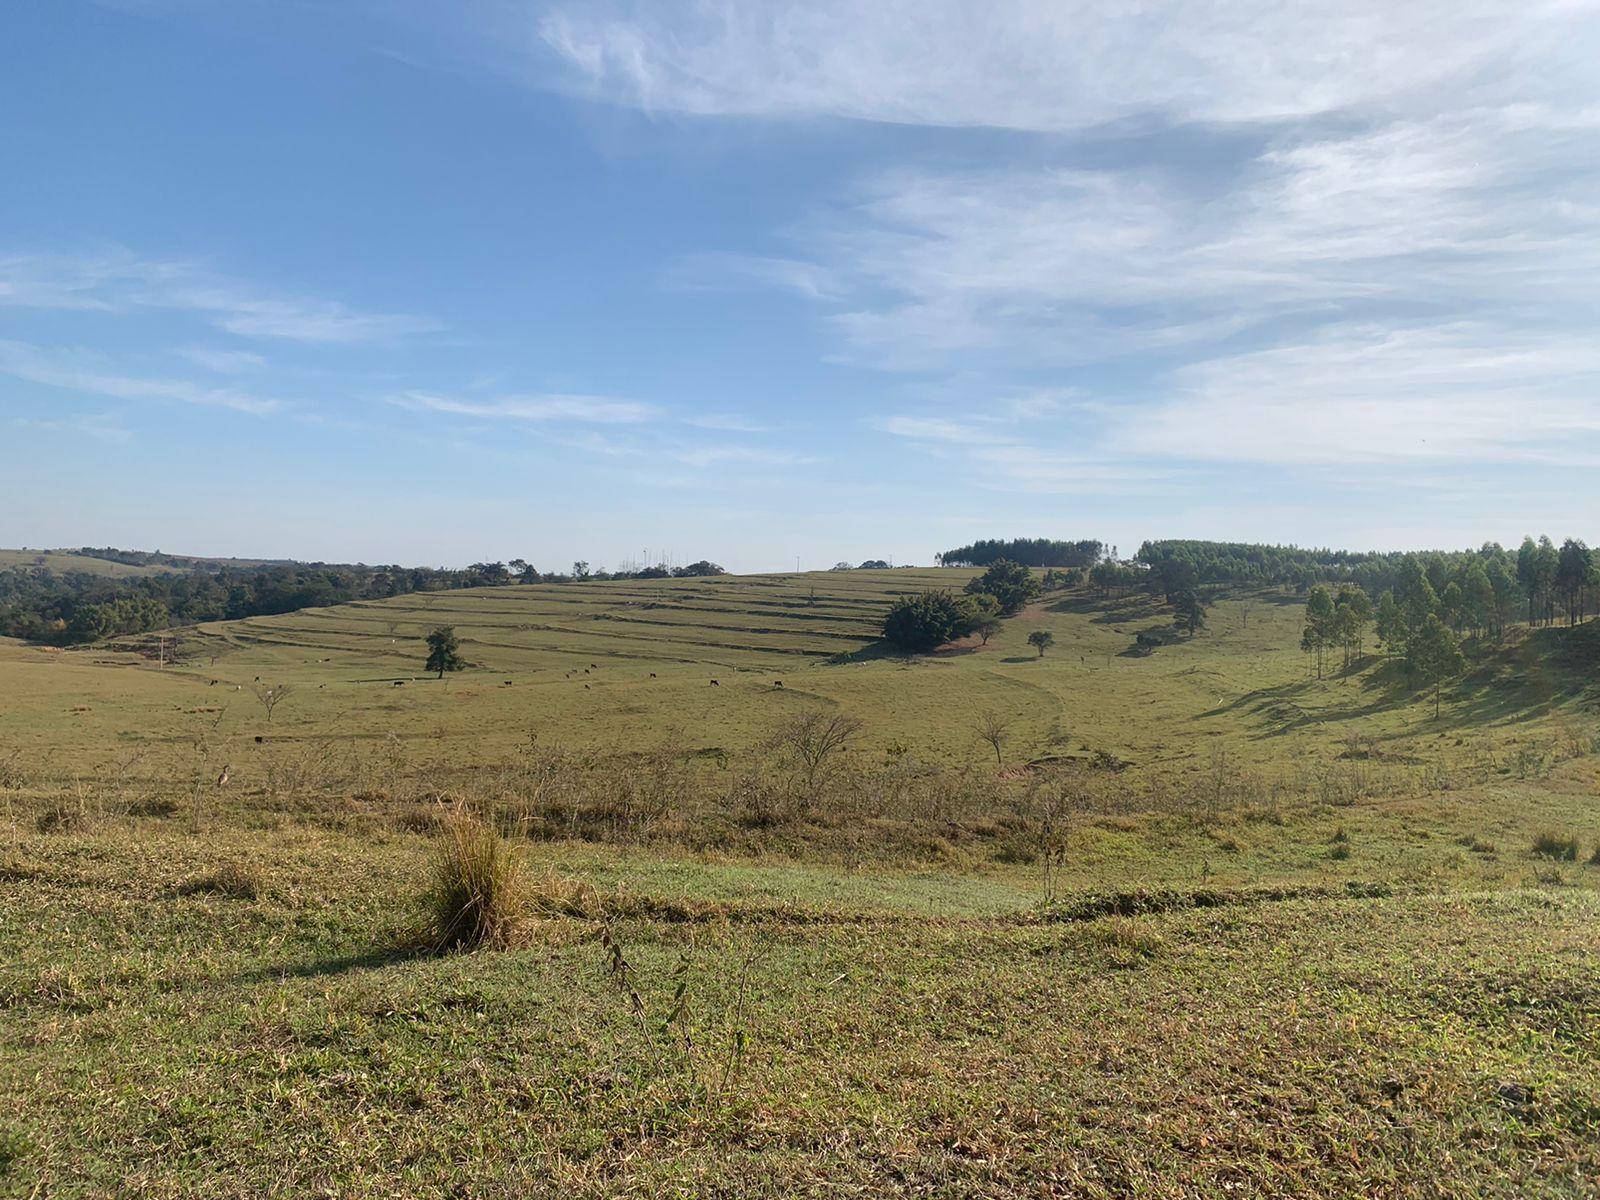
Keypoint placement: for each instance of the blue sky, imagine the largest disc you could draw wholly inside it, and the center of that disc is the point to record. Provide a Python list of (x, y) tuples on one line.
[(435, 282)]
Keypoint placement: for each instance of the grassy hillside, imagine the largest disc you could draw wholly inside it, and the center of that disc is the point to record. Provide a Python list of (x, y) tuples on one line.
[(1212, 927), (63, 561), (612, 665)]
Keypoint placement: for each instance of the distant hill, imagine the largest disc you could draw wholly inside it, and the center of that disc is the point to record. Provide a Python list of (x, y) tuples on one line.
[(124, 564), (62, 561)]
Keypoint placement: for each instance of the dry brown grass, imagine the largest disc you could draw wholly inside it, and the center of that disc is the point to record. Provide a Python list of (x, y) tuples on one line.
[(477, 897), (234, 880)]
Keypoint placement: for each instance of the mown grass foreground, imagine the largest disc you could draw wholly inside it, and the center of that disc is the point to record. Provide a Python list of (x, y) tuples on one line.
[(167, 1034), (1210, 929)]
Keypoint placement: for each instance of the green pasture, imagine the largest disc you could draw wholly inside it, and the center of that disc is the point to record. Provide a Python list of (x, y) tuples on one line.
[(1303, 938), (716, 665)]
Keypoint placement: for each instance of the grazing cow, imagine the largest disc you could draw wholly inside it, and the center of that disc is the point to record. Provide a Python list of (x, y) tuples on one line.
[(507, 683), (586, 687), (777, 683), (714, 683), (399, 683), (258, 679), (595, 667), (213, 683), (652, 674)]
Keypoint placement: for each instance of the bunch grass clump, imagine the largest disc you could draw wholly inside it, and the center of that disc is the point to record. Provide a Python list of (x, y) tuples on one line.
[(477, 897), (1560, 846)]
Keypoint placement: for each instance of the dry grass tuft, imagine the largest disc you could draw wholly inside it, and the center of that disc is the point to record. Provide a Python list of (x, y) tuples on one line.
[(477, 898), (1555, 844)]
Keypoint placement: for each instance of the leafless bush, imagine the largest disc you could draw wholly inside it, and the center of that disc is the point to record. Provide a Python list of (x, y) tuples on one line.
[(812, 741), (269, 696), (995, 730)]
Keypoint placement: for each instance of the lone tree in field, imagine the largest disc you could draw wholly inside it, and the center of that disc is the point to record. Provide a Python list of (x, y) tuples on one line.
[(994, 729), (1041, 641), (444, 652), (271, 696), (987, 629)]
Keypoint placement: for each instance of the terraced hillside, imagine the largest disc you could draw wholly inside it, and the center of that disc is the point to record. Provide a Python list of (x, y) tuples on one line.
[(734, 622), (719, 664)]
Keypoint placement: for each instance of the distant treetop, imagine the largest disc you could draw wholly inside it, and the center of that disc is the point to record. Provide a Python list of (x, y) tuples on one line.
[(1180, 564), (1030, 552)]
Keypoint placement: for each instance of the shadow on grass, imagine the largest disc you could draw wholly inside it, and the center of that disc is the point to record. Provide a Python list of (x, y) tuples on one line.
[(873, 652), (344, 964), (1523, 680), (1111, 610)]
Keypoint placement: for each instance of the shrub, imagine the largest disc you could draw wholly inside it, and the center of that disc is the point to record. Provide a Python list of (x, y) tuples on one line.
[(931, 618), (1553, 844), (477, 898)]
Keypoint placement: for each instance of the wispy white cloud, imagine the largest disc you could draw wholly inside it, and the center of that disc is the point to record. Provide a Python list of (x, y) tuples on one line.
[(102, 427), (731, 272), (939, 429), (711, 455), (83, 371), (1026, 447), (600, 410), (1393, 255), (223, 362), (118, 281), (1058, 265), (1051, 65), (1380, 394), (733, 423), (1045, 469)]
